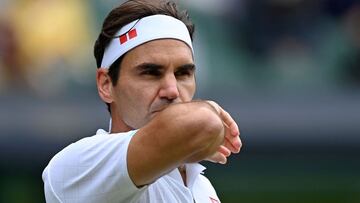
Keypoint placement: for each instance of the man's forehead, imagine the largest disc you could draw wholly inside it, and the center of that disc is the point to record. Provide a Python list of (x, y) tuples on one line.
[(161, 51)]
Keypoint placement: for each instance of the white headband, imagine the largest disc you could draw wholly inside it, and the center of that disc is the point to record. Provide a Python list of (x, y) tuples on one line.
[(144, 30)]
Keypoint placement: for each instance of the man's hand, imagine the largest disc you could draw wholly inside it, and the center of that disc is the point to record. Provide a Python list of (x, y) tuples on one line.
[(232, 142)]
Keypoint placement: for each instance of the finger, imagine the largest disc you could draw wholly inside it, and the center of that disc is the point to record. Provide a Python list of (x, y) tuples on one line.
[(230, 142), (233, 143), (224, 150), (214, 105), (229, 146), (229, 122), (217, 157), (227, 119)]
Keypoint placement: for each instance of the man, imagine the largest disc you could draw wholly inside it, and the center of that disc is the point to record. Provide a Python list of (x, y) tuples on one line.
[(146, 76)]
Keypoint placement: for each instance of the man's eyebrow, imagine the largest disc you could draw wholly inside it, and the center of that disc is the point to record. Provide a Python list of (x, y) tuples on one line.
[(147, 66), (188, 66)]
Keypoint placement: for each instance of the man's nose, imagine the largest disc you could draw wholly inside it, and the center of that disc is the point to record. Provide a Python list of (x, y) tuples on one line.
[(169, 89)]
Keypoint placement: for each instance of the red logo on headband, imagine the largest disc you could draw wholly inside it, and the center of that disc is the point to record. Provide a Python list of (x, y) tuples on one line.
[(128, 36)]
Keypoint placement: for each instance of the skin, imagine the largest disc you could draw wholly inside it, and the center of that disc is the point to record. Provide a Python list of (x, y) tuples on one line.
[(154, 94)]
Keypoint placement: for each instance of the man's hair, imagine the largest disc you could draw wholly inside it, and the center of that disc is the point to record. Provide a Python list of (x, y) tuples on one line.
[(126, 13)]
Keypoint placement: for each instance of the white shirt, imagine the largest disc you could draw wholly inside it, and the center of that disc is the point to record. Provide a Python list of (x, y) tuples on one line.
[(94, 169)]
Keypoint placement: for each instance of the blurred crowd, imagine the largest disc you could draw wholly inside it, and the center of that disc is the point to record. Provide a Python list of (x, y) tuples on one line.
[(316, 42), (42, 43), (46, 46), (284, 43)]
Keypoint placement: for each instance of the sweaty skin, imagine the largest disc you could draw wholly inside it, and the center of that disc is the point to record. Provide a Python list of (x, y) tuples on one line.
[(154, 94)]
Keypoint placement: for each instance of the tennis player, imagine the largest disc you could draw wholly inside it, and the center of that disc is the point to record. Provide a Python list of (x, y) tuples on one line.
[(146, 76)]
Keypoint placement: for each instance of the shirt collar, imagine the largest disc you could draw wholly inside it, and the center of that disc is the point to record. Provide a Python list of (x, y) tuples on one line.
[(101, 131), (193, 170)]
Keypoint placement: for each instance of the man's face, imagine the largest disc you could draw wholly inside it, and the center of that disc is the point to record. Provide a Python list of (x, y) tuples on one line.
[(152, 76)]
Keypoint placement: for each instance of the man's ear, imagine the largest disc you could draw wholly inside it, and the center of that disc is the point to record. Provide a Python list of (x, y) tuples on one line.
[(104, 85)]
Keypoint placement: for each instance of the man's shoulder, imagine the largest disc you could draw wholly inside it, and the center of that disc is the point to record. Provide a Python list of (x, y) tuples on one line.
[(103, 136), (99, 159), (100, 143)]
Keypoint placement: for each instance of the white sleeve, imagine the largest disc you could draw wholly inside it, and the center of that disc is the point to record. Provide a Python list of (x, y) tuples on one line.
[(93, 169)]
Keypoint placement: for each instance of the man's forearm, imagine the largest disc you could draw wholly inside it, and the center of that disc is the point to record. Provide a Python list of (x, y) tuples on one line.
[(181, 133)]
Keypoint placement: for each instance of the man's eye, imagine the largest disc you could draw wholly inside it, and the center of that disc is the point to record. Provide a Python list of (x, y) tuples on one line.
[(183, 73)]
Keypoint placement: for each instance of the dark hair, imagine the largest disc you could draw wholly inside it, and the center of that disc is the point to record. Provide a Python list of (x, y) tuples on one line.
[(126, 13)]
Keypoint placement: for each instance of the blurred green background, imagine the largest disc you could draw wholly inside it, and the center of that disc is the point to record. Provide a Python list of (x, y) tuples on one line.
[(287, 70)]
